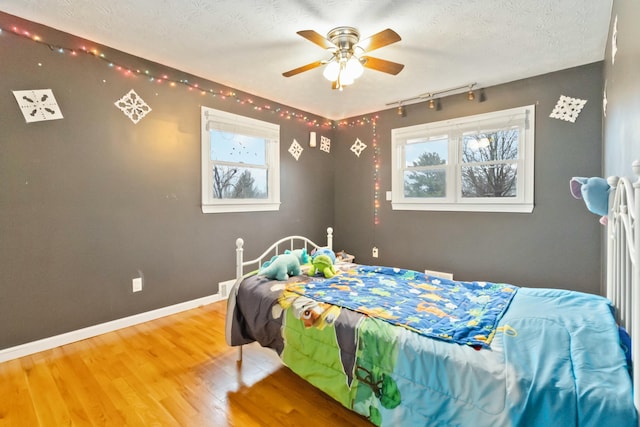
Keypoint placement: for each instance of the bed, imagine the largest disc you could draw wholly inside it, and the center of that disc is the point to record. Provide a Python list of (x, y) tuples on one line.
[(401, 347)]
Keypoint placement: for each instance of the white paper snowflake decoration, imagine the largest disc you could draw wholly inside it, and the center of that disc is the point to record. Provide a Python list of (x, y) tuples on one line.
[(133, 106), (325, 144), (295, 149), (38, 105), (568, 108), (358, 147)]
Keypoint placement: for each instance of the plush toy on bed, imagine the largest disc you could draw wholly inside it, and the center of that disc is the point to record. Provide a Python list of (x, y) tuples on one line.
[(323, 250), (595, 193), (280, 267), (302, 255), (322, 261)]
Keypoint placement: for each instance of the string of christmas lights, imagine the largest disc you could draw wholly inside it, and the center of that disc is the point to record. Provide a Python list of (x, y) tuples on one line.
[(376, 174), (220, 94), (224, 94)]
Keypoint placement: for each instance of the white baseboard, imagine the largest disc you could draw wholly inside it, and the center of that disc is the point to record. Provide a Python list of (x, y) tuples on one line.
[(92, 331)]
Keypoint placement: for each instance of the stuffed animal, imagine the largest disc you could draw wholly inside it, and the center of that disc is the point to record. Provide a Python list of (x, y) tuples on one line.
[(325, 251), (322, 263), (302, 255), (280, 267), (595, 193)]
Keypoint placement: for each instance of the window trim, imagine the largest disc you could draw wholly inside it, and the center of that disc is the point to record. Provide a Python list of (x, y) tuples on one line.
[(524, 117), (221, 120)]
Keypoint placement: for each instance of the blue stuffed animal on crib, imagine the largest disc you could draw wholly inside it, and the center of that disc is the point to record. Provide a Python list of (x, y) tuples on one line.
[(595, 193)]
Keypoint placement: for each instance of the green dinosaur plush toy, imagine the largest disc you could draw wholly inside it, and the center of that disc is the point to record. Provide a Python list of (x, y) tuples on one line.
[(322, 263)]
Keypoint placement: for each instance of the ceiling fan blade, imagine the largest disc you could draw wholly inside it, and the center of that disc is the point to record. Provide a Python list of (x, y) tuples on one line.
[(302, 69), (381, 65), (316, 38), (378, 40)]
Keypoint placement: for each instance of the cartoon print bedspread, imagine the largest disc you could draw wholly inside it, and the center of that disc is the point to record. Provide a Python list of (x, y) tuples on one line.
[(461, 312), (555, 359)]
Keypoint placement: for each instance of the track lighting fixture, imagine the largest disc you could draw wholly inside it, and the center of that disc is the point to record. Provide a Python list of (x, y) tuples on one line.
[(434, 97), (471, 94), (402, 112)]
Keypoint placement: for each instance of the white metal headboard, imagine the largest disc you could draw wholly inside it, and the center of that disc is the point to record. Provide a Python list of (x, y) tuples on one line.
[(623, 261), (289, 242)]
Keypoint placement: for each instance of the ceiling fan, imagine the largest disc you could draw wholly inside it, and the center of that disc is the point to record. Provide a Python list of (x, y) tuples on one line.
[(347, 60)]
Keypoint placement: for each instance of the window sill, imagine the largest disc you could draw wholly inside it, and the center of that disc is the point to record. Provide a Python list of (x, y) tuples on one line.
[(463, 207), (240, 207)]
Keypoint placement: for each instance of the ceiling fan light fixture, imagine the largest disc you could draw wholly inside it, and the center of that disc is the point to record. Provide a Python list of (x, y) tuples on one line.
[(345, 78), (332, 71), (344, 66), (354, 67)]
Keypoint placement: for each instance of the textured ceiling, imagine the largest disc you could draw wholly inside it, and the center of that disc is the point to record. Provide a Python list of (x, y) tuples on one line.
[(247, 44)]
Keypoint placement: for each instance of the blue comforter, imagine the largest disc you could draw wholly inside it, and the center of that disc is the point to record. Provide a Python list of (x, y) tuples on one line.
[(555, 360)]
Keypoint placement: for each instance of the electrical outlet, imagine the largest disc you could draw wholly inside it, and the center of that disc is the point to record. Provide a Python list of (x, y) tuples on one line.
[(374, 252), (136, 284)]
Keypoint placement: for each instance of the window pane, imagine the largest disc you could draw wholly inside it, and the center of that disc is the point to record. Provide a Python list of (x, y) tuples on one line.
[(490, 146), (427, 153), (497, 180), (231, 182), (237, 148), (431, 183)]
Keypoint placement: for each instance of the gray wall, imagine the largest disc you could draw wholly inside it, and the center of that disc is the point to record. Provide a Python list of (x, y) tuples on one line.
[(622, 83), (555, 246), (88, 201)]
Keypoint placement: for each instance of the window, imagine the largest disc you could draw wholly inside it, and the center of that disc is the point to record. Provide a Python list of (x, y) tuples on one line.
[(477, 163), (240, 163)]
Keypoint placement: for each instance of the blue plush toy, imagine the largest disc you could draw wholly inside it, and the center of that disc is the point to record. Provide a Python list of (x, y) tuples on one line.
[(324, 251), (595, 193), (280, 267)]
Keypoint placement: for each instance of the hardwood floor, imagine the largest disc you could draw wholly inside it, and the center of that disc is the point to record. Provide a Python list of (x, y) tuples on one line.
[(174, 371)]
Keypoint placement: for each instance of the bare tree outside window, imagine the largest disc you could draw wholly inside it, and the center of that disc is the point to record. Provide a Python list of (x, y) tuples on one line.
[(239, 166), (236, 183), (489, 166)]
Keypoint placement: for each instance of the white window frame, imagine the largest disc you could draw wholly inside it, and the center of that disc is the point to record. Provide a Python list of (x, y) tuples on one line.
[(522, 117), (229, 122)]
